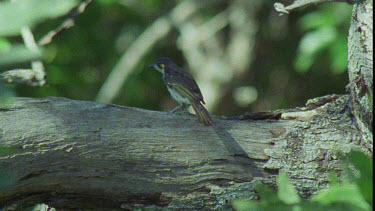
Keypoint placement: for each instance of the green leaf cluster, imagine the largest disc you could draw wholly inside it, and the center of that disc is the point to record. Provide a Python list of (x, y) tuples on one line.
[(323, 34), (353, 193), (15, 17), (21, 13)]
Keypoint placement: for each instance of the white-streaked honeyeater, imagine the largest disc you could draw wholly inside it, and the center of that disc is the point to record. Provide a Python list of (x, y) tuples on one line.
[(183, 88)]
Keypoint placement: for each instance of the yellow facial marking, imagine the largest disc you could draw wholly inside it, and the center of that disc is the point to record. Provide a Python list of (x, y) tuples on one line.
[(162, 66)]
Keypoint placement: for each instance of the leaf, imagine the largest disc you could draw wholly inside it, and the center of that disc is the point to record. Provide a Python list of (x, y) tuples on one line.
[(333, 178), (342, 193), (365, 178), (286, 193), (14, 16), (339, 54), (243, 205), (17, 54), (106, 2), (316, 20), (312, 43), (266, 194), (303, 62), (4, 44), (247, 205)]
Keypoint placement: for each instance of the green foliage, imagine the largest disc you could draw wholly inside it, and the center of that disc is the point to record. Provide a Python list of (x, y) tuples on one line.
[(323, 33), (14, 16), (354, 194), (4, 44), (287, 193), (344, 193), (106, 2), (16, 54), (21, 13), (363, 176), (79, 59), (311, 44), (26, 13), (12, 54)]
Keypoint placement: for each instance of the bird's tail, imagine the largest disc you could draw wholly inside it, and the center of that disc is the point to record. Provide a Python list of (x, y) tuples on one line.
[(202, 114)]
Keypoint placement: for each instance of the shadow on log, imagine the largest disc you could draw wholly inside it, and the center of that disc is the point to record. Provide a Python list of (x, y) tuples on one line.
[(81, 154)]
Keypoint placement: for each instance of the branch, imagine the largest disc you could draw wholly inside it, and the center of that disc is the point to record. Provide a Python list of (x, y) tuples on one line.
[(36, 65), (20, 76), (301, 3), (361, 67), (36, 75), (86, 155), (69, 22)]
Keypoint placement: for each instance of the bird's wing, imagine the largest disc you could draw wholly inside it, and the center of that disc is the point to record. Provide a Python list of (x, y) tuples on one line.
[(201, 112), (184, 83), (184, 91)]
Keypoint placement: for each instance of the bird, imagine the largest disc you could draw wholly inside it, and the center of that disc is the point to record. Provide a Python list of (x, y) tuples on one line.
[(183, 88)]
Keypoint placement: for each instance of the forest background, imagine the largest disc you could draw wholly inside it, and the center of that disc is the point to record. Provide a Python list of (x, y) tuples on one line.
[(244, 56)]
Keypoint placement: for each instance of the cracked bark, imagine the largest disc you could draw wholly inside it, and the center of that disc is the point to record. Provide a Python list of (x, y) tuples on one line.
[(81, 154), (361, 66)]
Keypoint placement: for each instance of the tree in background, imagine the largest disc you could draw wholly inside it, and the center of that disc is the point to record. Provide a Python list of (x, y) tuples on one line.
[(243, 55)]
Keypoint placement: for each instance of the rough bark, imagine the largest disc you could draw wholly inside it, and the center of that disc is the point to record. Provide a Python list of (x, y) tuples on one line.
[(81, 154), (360, 67)]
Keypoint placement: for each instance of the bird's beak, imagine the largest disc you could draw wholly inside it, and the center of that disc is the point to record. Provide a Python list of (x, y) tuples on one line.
[(152, 66)]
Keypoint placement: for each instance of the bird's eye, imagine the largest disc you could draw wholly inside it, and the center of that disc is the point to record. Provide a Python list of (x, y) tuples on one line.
[(162, 66)]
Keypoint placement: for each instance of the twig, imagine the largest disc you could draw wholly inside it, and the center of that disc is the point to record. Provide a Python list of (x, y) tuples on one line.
[(36, 65), (69, 22), (301, 3), (19, 76), (50, 35), (36, 75)]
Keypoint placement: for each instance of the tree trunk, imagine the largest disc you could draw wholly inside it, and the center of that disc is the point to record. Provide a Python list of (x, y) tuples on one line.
[(81, 154), (360, 68)]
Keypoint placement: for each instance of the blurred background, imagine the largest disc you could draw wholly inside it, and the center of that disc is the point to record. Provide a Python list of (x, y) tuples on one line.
[(243, 55)]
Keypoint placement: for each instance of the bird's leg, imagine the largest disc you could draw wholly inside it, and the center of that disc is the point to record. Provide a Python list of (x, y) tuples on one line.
[(183, 106), (175, 109)]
